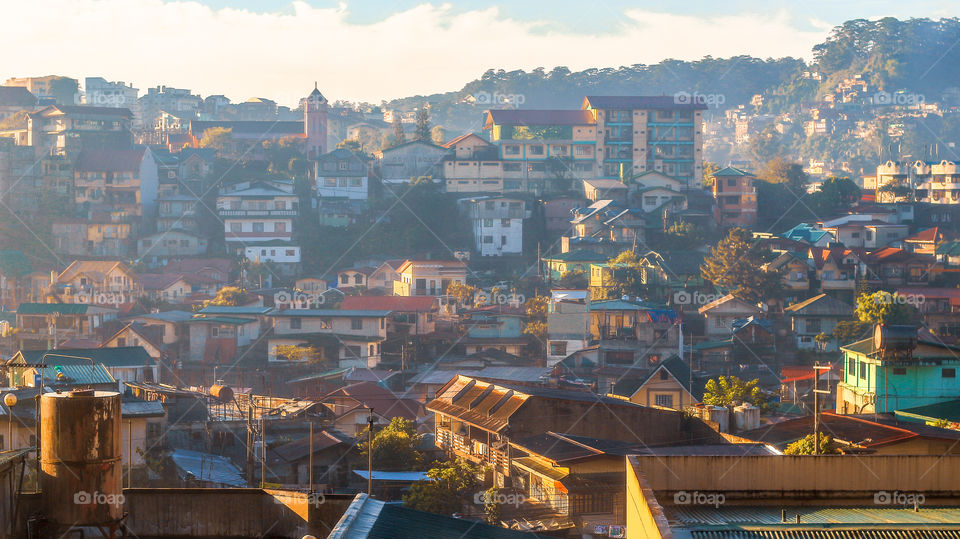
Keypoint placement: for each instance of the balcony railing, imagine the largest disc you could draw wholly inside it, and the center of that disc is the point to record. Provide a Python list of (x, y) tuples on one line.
[(224, 212)]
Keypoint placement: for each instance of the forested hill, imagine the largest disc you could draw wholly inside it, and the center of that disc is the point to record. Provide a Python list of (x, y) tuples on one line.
[(916, 55)]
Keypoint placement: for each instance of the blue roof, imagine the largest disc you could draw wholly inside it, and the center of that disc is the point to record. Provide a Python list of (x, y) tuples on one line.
[(805, 233), (225, 309), (394, 476)]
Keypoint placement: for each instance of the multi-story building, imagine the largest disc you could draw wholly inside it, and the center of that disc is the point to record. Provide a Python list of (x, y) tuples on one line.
[(118, 180), (934, 182), (356, 335), (414, 159), (428, 277), (630, 331), (636, 134), (894, 370), (497, 225), (98, 92), (94, 281), (257, 211), (736, 198), (42, 87), (342, 174), (542, 150), (65, 129), (178, 212), (473, 166), (174, 100)]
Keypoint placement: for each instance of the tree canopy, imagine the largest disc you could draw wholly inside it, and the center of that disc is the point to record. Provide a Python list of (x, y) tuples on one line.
[(395, 447), (734, 267), (452, 484), (885, 308)]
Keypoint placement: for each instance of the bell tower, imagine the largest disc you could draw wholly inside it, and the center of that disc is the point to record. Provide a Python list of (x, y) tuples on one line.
[(315, 123)]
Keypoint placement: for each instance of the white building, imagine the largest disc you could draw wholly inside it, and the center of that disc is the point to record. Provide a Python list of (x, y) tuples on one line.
[(342, 174), (99, 92), (497, 224), (257, 212)]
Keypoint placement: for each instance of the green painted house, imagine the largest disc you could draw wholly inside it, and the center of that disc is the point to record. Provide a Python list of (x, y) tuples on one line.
[(578, 260), (894, 370)]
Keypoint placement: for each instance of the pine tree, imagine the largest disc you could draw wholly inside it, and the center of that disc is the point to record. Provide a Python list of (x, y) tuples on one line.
[(423, 124), (734, 267), (399, 137)]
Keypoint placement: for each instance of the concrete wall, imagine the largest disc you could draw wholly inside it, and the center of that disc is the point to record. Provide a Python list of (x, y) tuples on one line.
[(232, 512), (645, 518), (796, 477)]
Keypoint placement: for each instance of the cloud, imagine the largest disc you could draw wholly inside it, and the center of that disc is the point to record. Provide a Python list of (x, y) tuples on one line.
[(425, 49)]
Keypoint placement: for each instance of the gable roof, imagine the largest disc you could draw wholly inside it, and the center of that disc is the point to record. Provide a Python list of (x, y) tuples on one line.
[(729, 298), (98, 268), (465, 136), (731, 171), (62, 308), (384, 402), (680, 372), (561, 447), (298, 449), (822, 305)]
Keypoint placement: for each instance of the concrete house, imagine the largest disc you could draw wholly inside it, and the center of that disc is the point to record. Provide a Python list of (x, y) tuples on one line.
[(721, 313), (816, 315)]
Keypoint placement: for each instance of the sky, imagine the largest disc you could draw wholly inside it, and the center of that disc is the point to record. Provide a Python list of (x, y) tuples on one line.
[(372, 50)]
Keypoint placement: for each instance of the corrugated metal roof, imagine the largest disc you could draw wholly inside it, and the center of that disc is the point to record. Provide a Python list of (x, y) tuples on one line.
[(208, 468), (692, 516)]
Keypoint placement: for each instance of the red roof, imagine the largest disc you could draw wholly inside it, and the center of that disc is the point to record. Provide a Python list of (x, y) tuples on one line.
[(109, 160), (390, 303)]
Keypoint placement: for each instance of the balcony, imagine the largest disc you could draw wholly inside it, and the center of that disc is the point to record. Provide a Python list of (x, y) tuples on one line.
[(223, 212)]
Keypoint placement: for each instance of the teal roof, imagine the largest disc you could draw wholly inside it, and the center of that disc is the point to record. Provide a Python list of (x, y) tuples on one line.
[(805, 233), (51, 308), (77, 373), (622, 305), (950, 248), (227, 309), (579, 255), (948, 410), (122, 356), (731, 171), (223, 320)]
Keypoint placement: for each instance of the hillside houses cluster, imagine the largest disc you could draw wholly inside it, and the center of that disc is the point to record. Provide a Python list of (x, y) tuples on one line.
[(520, 352)]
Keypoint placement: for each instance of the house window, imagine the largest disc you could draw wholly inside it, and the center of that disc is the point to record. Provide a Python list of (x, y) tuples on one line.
[(505, 222), (353, 352), (356, 323), (558, 348), (290, 252), (511, 149), (258, 227), (813, 325), (732, 182), (296, 323), (214, 331), (665, 401), (280, 227), (536, 149), (236, 228), (345, 279), (863, 371), (121, 342), (948, 373), (488, 239)]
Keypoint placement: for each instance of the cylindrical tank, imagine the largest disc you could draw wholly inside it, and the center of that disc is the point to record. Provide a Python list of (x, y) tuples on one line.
[(221, 393), (720, 416), (80, 467), (746, 417)]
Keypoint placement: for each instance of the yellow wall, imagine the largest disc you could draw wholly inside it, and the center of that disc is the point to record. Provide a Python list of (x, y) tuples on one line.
[(645, 519)]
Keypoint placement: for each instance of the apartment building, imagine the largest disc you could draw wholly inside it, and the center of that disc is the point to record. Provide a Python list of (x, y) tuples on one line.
[(636, 134)]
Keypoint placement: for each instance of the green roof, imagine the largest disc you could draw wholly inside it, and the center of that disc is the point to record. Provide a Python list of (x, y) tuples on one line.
[(122, 356), (579, 255), (948, 410), (950, 248), (229, 309), (731, 171), (52, 308)]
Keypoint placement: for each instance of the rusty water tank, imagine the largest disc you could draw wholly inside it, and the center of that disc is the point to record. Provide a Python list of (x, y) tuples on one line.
[(80, 467), (221, 393)]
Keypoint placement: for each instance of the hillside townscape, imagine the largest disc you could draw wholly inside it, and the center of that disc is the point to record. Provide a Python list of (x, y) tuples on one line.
[(695, 299)]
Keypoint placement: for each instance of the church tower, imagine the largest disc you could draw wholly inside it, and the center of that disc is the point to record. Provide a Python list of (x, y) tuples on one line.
[(315, 123)]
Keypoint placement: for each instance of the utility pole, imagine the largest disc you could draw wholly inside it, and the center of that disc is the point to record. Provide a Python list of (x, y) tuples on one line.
[(817, 368), (311, 457), (370, 454), (263, 452), (249, 443)]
